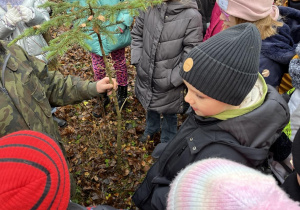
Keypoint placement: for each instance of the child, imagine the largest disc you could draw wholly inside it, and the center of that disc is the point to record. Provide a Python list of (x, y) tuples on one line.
[(205, 8), (209, 184), (233, 113), (291, 184), (161, 38), (279, 30), (116, 50), (216, 25), (286, 81)]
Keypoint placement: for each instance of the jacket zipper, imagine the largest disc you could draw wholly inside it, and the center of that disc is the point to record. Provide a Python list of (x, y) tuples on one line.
[(181, 151)]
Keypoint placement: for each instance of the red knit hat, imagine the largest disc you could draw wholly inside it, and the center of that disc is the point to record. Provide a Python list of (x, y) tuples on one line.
[(33, 172)]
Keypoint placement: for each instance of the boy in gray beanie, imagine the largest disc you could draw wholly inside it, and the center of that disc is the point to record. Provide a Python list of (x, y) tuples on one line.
[(236, 115)]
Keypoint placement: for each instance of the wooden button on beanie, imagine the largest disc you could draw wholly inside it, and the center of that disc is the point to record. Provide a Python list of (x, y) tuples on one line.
[(33, 172), (220, 184), (225, 67)]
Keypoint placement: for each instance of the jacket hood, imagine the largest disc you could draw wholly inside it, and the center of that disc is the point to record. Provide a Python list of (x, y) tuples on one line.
[(281, 46), (175, 7), (291, 17), (262, 126)]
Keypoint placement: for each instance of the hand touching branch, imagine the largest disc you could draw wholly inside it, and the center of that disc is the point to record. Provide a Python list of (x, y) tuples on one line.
[(103, 86)]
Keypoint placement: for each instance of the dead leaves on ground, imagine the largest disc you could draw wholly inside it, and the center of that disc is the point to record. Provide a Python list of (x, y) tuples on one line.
[(91, 142)]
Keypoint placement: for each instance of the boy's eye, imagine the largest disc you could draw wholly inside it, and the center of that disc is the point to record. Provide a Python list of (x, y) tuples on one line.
[(201, 97)]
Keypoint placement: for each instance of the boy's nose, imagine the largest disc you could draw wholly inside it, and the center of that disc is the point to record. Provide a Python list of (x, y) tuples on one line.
[(188, 98)]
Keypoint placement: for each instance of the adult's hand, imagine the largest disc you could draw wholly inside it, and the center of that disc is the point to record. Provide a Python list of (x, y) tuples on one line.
[(103, 86)]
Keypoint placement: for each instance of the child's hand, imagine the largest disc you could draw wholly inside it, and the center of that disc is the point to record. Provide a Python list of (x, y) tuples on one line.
[(104, 85)]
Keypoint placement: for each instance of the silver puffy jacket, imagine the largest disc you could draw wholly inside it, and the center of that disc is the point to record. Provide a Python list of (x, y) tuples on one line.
[(33, 44)]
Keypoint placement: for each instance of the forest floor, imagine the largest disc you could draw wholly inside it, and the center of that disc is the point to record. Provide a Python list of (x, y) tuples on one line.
[(91, 145)]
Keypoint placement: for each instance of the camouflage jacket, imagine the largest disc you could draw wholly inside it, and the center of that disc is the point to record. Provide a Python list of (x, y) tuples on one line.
[(28, 90)]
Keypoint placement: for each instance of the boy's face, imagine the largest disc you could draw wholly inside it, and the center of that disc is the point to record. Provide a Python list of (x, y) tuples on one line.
[(204, 105)]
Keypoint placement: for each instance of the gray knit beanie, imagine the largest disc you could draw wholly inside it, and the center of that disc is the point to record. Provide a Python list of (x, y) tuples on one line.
[(294, 69), (225, 67)]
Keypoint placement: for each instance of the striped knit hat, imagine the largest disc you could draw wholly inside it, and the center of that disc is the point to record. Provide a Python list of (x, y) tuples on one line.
[(33, 172), (225, 67), (220, 184)]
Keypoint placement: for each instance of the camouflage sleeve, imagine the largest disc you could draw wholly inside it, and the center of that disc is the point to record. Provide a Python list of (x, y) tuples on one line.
[(62, 90), (59, 90)]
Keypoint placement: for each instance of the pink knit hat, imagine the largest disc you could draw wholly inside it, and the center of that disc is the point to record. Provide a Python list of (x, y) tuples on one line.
[(220, 184), (250, 10)]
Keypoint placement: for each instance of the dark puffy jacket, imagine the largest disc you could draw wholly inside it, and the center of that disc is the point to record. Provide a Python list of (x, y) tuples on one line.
[(161, 39), (278, 50), (245, 139)]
